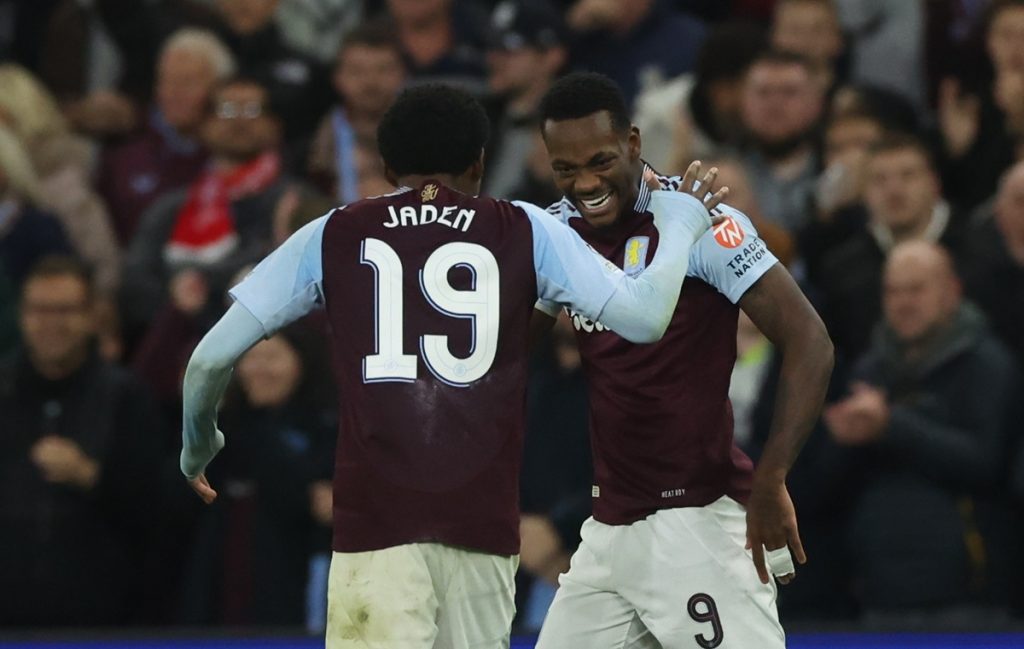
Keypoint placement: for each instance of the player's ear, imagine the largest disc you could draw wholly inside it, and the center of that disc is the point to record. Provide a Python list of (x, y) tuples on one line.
[(633, 143)]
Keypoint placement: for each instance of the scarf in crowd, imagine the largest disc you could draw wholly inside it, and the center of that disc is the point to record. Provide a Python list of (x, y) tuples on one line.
[(205, 230)]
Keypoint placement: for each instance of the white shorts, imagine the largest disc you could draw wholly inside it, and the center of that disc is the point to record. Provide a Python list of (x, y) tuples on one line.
[(420, 596), (680, 578)]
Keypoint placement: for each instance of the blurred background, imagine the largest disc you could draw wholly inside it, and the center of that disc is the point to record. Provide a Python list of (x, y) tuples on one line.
[(152, 150)]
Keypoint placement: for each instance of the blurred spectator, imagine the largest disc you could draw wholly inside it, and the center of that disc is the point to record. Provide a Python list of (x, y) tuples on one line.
[(931, 536), (811, 28), (167, 153), (527, 51), (194, 240), (98, 57), (993, 262), (887, 45), (557, 473), (903, 202), (640, 44), (28, 108), (316, 27), (442, 40), (63, 164), (297, 86), (694, 116), (781, 107), (839, 211), (253, 546), (78, 462), (983, 128), (27, 234), (368, 74)]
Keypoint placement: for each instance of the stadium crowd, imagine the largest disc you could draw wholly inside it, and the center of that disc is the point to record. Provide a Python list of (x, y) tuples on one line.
[(152, 152)]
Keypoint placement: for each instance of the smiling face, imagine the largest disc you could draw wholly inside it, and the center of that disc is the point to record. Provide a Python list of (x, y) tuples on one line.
[(595, 165)]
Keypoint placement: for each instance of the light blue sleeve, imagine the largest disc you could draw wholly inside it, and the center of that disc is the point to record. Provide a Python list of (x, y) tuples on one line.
[(569, 272), (288, 283), (730, 256)]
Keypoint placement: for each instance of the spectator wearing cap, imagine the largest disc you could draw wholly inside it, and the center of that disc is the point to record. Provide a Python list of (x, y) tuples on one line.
[(638, 44), (166, 154), (527, 51), (369, 72)]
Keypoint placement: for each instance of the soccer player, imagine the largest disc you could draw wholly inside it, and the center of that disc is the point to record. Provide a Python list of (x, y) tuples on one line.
[(429, 293), (666, 559)]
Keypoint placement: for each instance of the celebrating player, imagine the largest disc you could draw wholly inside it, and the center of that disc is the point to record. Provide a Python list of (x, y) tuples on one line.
[(429, 292), (666, 559)]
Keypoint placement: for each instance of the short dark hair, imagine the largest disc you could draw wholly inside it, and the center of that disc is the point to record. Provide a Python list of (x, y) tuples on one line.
[(376, 33), (579, 94), (432, 129), (773, 56), (897, 141), (62, 266)]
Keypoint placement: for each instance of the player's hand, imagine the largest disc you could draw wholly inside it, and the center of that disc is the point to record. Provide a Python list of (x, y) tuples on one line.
[(201, 486), (771, 526), (706, 191)]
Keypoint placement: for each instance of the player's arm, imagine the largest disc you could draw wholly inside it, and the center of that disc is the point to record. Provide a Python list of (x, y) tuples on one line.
[(781, 311), (637, 308), (282, 288)]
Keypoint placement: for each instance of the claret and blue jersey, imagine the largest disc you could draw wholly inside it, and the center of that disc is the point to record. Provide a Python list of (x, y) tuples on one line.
[(429, 293), (661, 422)]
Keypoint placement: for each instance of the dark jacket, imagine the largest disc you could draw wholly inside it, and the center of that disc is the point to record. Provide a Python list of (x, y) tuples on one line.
[(70, 557), (850, 285), (931, 527)]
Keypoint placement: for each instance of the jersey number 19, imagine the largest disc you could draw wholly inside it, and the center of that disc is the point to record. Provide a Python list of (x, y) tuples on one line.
[(480, 305)]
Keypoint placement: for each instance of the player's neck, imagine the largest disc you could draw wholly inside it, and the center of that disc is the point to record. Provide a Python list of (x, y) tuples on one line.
[(458, 183)]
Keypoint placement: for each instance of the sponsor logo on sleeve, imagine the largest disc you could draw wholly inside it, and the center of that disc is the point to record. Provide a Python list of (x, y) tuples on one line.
[(728, 233), (747, 257), (636, 255)]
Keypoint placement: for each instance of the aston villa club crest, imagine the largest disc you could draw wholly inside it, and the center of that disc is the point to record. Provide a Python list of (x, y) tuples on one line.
[(636, 255), (429, 192)]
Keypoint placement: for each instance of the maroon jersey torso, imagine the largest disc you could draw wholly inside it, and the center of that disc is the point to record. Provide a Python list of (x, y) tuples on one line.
[(660, 418), (421, 456)]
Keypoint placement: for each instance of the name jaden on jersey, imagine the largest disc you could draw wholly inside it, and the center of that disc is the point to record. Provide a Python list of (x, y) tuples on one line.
[(408, 215)]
